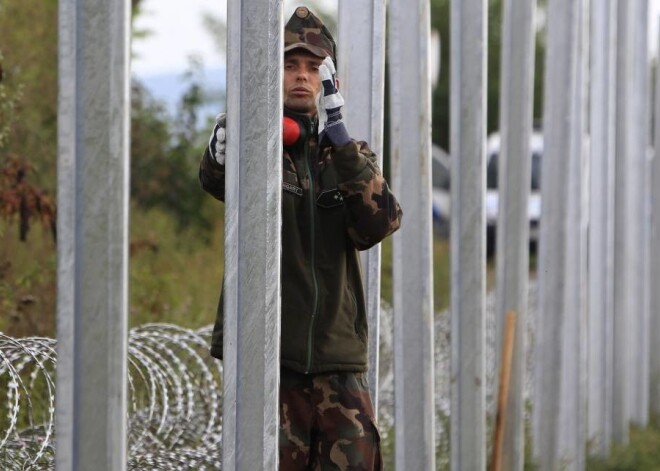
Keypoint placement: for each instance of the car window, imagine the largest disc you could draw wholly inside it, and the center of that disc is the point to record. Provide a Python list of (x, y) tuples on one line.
[(491, 171), (536, 171)]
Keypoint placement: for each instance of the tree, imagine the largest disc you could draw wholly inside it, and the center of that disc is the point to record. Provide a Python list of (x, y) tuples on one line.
[(29, 62), (440, 18), (164, 157)]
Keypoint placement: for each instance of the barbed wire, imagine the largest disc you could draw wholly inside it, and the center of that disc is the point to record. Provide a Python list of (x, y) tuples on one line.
[(175, 401)]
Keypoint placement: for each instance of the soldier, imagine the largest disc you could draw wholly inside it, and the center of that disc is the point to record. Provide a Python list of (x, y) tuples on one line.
[(335, 202)]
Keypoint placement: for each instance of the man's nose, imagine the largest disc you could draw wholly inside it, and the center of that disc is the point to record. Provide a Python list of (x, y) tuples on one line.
[(303, 73)]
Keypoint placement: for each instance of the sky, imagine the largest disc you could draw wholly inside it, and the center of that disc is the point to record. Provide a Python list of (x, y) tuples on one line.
[(174, 34), (177, 33), (654, 13)]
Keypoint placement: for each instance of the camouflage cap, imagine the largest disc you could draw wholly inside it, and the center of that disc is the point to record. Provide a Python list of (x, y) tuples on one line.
[(305, 30)]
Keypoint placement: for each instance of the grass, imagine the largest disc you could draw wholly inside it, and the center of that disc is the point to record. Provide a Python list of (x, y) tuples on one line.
[(441, 272), (175, 277), (28, 292), (641, 454)]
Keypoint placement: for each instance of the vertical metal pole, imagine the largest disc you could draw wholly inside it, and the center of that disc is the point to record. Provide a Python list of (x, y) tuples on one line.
[(626, 254), (601, 212), (252, 235), (654, 256), (640, 142), (412, 244), (516, 92), (93, 191), (362, 74), (468, 256), (560, 124), (601, 250), (572, 429)]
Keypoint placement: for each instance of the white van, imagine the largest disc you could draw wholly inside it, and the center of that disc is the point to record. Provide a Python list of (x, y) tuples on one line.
[(492, 194)]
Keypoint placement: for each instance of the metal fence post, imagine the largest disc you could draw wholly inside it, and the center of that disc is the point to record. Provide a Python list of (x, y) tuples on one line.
[(516, 93), (410, 114), (92, 227), (468, 218), (573, 341), (561, 150), (654, 256), (639, 156), (626, 253), (362, 74), (601, 212), (252, 235)]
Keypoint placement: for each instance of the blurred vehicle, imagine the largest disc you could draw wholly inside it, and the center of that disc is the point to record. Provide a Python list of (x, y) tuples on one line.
[(441, 194), (492, 194)]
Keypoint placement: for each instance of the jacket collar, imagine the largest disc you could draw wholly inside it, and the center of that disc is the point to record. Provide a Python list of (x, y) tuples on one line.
[(302, 118)]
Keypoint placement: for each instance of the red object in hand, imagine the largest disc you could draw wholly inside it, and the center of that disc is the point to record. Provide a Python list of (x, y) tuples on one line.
[(290, 131)]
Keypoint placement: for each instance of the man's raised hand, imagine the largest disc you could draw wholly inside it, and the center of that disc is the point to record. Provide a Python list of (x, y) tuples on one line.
[(328, 104), (218, 140)]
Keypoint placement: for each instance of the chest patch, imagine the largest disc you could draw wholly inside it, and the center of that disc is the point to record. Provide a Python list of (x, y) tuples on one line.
[(292, 188), (330, 198)]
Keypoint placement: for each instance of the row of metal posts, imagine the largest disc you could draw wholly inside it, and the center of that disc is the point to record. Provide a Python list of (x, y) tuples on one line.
[(622, 382), (593, 374)]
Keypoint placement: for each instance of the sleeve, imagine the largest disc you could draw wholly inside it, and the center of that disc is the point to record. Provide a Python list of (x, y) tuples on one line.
[(212, 176), (373, 212)]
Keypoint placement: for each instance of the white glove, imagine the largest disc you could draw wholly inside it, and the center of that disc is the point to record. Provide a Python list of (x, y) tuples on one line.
[(328, 106), (218, 140)]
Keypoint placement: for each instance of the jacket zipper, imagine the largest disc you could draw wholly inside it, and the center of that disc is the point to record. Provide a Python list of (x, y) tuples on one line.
[(310, 334)]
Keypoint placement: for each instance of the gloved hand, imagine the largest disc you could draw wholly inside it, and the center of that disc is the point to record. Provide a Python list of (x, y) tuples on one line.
[(328, 105), (218, 140)]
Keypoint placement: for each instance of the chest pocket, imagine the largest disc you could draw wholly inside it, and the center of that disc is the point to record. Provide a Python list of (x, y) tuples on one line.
[(329, 196)]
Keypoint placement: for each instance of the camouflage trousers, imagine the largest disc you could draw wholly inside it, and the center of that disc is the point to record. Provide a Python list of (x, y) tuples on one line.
[(327, 423)]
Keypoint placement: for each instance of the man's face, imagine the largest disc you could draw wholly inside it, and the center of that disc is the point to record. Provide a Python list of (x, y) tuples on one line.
[(301, 81)]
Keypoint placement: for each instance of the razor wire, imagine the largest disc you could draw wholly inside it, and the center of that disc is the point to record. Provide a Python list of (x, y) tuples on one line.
[(175, 402)]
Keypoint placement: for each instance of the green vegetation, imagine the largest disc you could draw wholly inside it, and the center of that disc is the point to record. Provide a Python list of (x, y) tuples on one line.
[(175, 276), (176, 230), (641, 454)]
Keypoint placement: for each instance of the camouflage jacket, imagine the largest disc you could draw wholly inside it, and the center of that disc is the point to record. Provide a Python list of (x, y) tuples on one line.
[(335, 202)]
